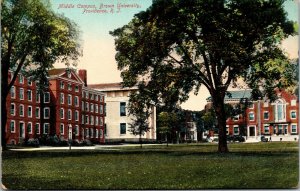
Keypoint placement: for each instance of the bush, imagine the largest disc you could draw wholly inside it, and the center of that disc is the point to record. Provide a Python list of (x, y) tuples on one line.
[(32, 142)]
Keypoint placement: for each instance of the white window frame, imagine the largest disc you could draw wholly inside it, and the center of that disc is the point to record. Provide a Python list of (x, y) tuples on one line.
[(252, 113), (96, 108), (97, 134), (21, 79), (14, 110), (92, 120), (69, 99), (69, 114), (82, 119), (69, 87), (76, 115), (38, 113), (76, 88), (22, 94), (76, 130), (101, 121), (21, 106), (268, 115), (29, 132), (61, 85), (62, 98), (82, 105), (292, 115), (29, 113), (294, 124), (91, 107), (86, 106), (227, 130), (236, 126), (37, 97), (39, 130), (44, 128), (63, 113), (76, 101), (97, 120), (29, 95), (86, 119), (101, 109), (63, 129), (47, 101), (268, 126), (46, 117), (13, 92), (14, 122)]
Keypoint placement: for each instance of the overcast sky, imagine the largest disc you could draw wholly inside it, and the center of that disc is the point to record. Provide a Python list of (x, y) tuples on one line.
[(98, 46)]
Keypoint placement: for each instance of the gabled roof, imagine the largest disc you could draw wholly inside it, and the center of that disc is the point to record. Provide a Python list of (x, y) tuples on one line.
[(235, 95), (56, 71), (61, 73)]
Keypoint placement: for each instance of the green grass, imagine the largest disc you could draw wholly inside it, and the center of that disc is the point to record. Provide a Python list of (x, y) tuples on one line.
[(193, 166)]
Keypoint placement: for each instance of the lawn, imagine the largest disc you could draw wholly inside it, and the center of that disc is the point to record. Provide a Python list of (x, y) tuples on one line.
[(193, 166)]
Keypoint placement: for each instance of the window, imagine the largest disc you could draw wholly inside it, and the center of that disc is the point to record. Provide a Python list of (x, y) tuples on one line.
[(76, 115), (12, 109), (87, 132), (267, 129), (76, 88), (82, 119), (122, 128), (293, 102), (21, 79), (69, 114), (76, 130), (293, 115), (251, 116), (227, 130), (62, 113), (101, 133), (46, 128), (37, 97), (62, 85), (37, 128), (62, 98), (97, 134), (92, 120), (86, 106), (96, 108), (29, 111), (21, 94), (37, 112), (62, 129), (91, 96), (91, 132), (29, 128), (82, 105), (29, 82), (21, 110), (96, 97), (13, 92), (69, 99), (29, 95), (236, 130), (97, 120), (236, 118), (105, 129), (280, 110), (266, 115), (69, 87), (12, 126), (101, 98), (293, 128), (46, 97), (92, 107), (101, 121), (76, 101), (122, 109), (86, 119), (46, 112), (101, 109)]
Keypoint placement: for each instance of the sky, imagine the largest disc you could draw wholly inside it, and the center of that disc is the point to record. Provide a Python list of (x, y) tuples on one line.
[(98, 45)]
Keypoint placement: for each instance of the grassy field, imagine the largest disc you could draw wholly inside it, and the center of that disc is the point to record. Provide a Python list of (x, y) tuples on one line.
[(193, 166)]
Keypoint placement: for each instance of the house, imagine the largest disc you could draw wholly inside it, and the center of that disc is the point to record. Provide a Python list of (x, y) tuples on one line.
[(276, 120), (117, 119), (67, 108)]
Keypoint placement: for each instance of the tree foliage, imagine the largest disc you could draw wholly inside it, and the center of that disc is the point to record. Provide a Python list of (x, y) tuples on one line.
[(33, 38), (177, 45)]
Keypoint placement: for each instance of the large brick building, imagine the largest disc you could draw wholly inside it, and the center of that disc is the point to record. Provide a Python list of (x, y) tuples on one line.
[(68, 109), (277, 120)]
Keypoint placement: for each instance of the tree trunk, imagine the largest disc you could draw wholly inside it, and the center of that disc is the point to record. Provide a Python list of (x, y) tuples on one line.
[(221, 122), (4, 93)]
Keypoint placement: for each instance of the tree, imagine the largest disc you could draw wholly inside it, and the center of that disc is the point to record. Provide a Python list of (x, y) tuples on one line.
[(166, 123), (176, 46), (33, 39)]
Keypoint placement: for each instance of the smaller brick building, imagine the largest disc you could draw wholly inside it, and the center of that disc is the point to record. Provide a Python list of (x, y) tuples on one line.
[(276, 120), (67, 109)]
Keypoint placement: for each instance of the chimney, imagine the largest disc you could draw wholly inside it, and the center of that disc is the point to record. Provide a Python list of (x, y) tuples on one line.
[(83, 75)]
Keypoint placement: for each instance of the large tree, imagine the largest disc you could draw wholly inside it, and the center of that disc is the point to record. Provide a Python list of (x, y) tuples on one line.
[(177, 45), (33, 37)]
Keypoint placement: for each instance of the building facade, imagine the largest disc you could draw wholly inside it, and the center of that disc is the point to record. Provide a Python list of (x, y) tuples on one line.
[(277, 120), (59, 110), (117, 119)]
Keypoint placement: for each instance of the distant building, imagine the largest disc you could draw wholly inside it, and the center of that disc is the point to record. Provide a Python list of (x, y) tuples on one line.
[(67, 109), (117, 118), (277, 120)]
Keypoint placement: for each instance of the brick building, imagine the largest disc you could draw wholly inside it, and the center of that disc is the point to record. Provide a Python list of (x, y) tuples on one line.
[(277, 120), (59, 111)]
